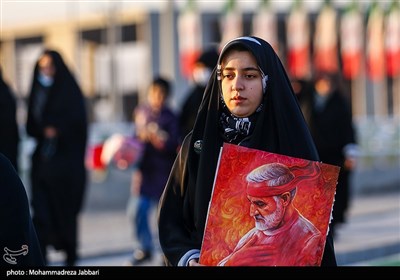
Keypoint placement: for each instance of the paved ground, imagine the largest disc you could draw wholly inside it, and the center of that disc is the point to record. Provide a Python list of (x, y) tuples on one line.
[(372, 234)]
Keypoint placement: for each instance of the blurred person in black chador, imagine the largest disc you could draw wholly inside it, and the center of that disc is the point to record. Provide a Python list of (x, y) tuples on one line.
[(19, 245), (57, 121), (203, 67), (248, 101), (328, 114), (9, 133)]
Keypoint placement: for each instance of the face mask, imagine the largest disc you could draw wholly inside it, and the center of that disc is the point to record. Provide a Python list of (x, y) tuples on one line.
[(201, 76), (45, 80)]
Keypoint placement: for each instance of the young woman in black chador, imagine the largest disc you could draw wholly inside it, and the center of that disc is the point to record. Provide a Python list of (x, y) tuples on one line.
[(248, 101), (57, 121)]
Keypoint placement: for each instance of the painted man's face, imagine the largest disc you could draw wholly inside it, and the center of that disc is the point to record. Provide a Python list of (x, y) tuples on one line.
[(267, 211)]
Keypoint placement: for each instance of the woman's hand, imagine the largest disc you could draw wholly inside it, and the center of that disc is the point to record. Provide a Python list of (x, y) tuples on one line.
[(194, 262)]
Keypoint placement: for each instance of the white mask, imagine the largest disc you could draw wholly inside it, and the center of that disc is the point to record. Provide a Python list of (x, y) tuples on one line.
[(45, 80), (201, 75)]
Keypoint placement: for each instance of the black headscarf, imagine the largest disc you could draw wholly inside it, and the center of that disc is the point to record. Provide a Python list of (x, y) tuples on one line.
[(69, 111), (280, 128)]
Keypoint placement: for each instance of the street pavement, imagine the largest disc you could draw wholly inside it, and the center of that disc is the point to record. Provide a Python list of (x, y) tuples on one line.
[(370, 237)]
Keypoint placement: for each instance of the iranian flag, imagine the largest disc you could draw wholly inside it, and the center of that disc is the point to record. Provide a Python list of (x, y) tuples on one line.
[(375, 52), (352, 40), (298, 42), (265, 24), (325, 40), (231, 23), (190, 38), (392, 40)]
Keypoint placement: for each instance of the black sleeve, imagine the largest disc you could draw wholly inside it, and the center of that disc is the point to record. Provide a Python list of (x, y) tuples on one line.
[(18, 241), (175, 236), (329, 258)]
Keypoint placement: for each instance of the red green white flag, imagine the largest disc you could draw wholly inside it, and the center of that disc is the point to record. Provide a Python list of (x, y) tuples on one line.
[(265, 24), (190, 38), (325, 40), (375, 49), (298, 42), (392, 40), (231, 23), (352, 41)]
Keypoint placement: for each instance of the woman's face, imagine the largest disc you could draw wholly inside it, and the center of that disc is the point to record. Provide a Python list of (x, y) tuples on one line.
[(46, 66), (241, 83)]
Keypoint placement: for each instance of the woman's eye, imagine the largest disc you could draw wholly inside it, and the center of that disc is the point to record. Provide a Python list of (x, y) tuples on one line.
[(229, 76), (251, 75)]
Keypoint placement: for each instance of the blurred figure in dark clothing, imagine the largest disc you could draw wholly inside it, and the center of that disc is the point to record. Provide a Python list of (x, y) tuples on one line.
[(201, 74), (302, 88), (157, 127), (9, 133), (328, 114), (18, 241), (57, 121)]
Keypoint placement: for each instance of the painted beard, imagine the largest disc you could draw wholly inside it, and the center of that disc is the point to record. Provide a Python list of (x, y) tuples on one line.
[(271, 221)]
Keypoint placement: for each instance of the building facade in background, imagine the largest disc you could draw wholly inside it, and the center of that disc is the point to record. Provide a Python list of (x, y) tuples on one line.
[(116, 47)]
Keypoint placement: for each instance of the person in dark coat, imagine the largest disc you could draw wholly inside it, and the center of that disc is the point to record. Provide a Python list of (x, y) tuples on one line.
[(57, 121), (201, 73), (328, 114), (157, 127), (248, 101), (9, 132), (18, 241)]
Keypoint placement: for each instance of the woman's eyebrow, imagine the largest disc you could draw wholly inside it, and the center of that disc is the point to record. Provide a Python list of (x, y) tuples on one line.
[(251, 68)]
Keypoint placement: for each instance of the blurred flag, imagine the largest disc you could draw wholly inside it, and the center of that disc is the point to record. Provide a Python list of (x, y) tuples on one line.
[(392, 40), (351, 38), (375, 49), (190, 38), (231, 23), (298, 41), (325, 40), (93, 159), (265, 24)]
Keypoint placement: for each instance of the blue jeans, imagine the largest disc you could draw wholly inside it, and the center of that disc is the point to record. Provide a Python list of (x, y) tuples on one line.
[(143, 220)]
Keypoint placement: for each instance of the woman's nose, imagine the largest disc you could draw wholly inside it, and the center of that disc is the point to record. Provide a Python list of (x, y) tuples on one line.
[(237, 84)]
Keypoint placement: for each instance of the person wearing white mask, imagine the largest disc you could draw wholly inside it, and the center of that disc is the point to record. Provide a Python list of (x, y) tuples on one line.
[(57, 121), (203, 67)]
